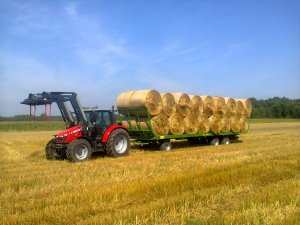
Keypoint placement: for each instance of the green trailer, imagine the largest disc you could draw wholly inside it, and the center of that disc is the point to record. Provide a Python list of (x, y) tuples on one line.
[(142, 135)]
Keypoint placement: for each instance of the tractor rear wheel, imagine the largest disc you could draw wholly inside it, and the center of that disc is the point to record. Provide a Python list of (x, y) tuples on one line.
[(118, 143), (51, 153), (79, 150)]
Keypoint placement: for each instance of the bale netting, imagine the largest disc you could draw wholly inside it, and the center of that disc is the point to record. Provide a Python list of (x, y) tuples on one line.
[(230, 106), (203, 123), (216, 123), (220, 106), (226, 124), (149, 101), (168, 104), (183, 102), (196, 105), (176, 124), (235, 125), (247, 105), (191, 124), (209, 105), (160, 124)]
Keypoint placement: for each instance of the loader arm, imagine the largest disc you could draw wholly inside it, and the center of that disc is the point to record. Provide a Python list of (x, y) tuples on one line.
[(61, 98)]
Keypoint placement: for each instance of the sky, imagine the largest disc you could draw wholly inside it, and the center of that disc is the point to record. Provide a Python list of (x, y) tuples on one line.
[(99, 49)]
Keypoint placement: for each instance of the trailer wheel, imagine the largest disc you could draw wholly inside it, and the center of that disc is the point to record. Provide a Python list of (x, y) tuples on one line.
[(51, 153), (118, 143), (166, 146), (225, 141), (215, 141), (79, 150)]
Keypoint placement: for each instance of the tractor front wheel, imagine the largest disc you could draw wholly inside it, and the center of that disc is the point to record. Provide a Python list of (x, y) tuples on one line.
[(52, 153), (79, 150), (118, 143)]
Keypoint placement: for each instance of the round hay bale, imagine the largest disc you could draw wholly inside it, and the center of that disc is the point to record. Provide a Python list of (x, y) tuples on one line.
[(203, 123), (240, 110), (168, 104), (247, 105), (183, 102), (123, 102), (209, 105), (160, 124), (191, 124), (129, 124), (149, 99), (196, 105), (142, 124), (235, 123), (244, 125), (220, 106), (230, 106), (216, 123), (226, 124), (176, 124)]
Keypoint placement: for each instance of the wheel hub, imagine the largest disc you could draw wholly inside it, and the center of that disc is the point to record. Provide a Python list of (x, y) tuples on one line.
[(120, 143), (81, 152)]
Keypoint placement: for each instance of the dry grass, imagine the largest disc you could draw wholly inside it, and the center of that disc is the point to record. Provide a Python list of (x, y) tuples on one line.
[(252, 182)]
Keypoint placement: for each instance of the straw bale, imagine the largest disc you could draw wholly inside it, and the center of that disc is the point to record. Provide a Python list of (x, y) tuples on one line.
[(220, 106), (244, 125), (191, 124), (123, 102), (230, 106), (142, 124), (226, 124), (196, 105), (203, 123), (176, 123), (240, 109), (209, 105), (235, 125), (216, 123), (168, 104), (248, 105), (183, 103), (160, 124), (150, 99)]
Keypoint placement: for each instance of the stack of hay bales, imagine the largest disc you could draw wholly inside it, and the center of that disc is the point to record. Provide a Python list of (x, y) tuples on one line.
[(180, 113)]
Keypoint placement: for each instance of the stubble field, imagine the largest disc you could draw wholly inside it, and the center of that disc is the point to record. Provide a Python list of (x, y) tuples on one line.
[(255, 181)]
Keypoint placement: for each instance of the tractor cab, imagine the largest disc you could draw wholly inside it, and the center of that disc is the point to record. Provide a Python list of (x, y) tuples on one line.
[(100, 120)]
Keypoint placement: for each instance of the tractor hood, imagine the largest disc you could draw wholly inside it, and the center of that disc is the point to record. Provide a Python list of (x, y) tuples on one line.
[(70, 134)]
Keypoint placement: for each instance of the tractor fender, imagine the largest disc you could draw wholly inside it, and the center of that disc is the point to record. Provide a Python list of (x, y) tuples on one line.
[(109, 130)]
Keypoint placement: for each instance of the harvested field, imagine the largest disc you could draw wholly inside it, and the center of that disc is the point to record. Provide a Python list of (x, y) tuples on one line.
[(255, 181)]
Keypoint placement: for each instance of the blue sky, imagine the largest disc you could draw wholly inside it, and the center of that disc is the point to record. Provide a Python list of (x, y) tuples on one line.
[(101, 48)]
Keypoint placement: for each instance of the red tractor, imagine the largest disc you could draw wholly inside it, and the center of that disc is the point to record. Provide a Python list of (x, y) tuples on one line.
[(87, 131)]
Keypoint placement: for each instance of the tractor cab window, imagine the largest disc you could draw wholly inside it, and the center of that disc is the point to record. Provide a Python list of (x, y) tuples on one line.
[(102, 119)]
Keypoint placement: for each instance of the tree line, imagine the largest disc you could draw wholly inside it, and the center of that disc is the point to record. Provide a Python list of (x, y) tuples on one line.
[(276, 108)]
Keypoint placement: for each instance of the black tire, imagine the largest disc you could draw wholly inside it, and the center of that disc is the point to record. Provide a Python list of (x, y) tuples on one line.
[(215, 141), (225, 141), (79, 150), (118, 143), (52, 153), (166, 146)]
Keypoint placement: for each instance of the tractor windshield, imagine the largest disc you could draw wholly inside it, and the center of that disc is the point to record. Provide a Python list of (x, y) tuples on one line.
[(102, 119)]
